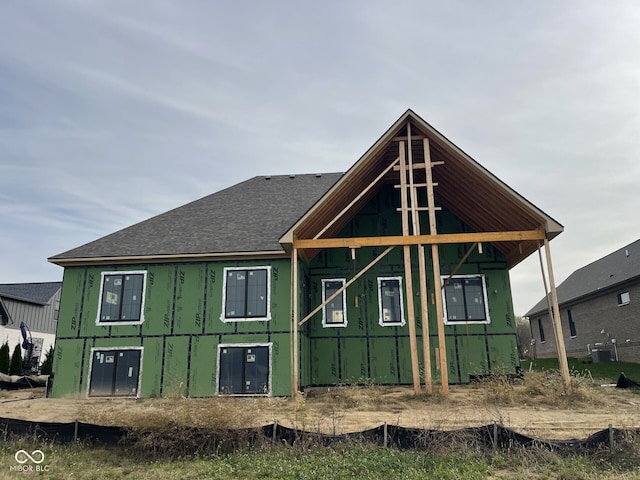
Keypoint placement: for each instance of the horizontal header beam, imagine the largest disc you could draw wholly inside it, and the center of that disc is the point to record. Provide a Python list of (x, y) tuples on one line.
[(442, 238)]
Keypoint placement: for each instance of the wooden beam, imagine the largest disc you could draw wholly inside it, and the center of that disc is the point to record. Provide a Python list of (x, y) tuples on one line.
[(562, 353), (422, 165), (435, 254), (295, 352), (408, 277), (462, 260), (358, 197), (434, 239), (344, 287)]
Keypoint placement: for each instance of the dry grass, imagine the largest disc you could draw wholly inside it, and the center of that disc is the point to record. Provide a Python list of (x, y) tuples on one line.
[(543, 388)]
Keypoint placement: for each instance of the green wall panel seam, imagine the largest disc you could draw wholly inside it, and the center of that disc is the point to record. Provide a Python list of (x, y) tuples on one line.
[(81, 313)]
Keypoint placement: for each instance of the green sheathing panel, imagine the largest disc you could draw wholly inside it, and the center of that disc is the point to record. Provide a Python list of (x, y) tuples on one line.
[(204, 351), (280, 364), (68, 367), (340, 355), (70, 302), (383, 360), (182, 328), (175, 372), (189, 305), (152, 358), (159, 302)]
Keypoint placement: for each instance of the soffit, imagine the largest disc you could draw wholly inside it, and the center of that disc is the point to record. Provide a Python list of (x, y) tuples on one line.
[(464, 187)]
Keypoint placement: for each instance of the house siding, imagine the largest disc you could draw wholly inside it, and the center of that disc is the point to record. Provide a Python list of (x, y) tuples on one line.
[(181, 329), (40, 320), (366, 351), (182, 325), (591, 316)]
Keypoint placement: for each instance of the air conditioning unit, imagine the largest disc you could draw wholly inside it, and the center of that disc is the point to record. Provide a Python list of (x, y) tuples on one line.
[(337, 317)]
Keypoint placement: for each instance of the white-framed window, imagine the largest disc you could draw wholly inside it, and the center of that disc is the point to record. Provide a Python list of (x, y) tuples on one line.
[(624, 299), (246, 294), (244, 369), (122, 297), (334, 313), (465, 300), (115, 372), (390, 303)]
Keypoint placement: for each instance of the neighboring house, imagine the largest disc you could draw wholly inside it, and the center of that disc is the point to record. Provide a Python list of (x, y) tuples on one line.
[(285, 282), (599, 310), (36, 305)]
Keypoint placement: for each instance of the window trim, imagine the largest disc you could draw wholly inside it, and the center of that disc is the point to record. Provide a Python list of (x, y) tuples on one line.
[(381, 321), (485, 298), (621, 303), (90, 372), (104, 323), (245, 345), (223, 316), (326, 324)]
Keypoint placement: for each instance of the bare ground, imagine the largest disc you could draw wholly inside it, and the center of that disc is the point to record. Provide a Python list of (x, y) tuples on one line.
[(536, 408)]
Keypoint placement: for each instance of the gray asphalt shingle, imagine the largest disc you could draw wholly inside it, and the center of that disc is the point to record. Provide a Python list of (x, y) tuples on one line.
[(248, 217), (39, 293), (616, 268)]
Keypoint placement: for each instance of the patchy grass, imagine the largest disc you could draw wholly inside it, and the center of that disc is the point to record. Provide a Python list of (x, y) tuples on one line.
[(544, 387), (85, 462), (606, 372)]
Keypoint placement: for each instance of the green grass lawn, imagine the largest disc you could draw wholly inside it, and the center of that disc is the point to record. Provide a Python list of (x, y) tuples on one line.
[(356, 461), (609, 371)]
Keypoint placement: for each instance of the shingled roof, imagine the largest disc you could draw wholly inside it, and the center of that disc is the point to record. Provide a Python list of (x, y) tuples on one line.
[(249, 217), (39, 293), (617, 268)]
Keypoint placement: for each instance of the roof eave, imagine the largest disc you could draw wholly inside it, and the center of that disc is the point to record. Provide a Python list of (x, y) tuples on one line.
[(173, 258)]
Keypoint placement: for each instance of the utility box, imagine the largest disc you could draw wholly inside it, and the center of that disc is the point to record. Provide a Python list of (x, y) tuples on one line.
[(600, 355)]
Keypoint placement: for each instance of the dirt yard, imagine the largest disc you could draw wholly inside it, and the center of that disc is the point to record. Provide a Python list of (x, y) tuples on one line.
[(537, 407)]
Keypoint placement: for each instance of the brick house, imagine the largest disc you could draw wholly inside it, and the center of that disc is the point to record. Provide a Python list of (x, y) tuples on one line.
[(599, 310)]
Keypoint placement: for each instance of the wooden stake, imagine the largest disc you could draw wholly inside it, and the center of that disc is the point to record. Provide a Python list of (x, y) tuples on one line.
[(435, 254), (562, 353), (411, 321), (295, 357)]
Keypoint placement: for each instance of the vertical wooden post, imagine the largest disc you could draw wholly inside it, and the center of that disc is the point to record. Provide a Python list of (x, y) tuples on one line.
[(442, 346), (413, 344), (295, 352), (562, 353), (424, 303)]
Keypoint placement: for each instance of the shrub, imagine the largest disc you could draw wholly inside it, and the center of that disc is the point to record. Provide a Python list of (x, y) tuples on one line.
[(15, 368), (47, 363), (5, 360)]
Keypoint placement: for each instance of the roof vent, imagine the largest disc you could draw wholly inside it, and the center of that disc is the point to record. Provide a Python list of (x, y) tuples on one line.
[(267, 178), (318, 175), (626, 252), (292, 176)]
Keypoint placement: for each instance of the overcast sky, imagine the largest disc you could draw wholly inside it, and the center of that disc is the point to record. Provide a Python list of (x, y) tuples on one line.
[(114, 111)]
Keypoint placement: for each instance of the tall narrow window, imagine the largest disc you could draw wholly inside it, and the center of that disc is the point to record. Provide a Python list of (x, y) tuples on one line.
[(390, 302), (572, 324), (541, 329), (465, 300), (334, 313), (246, 294), (122, 298), (115, 372)]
